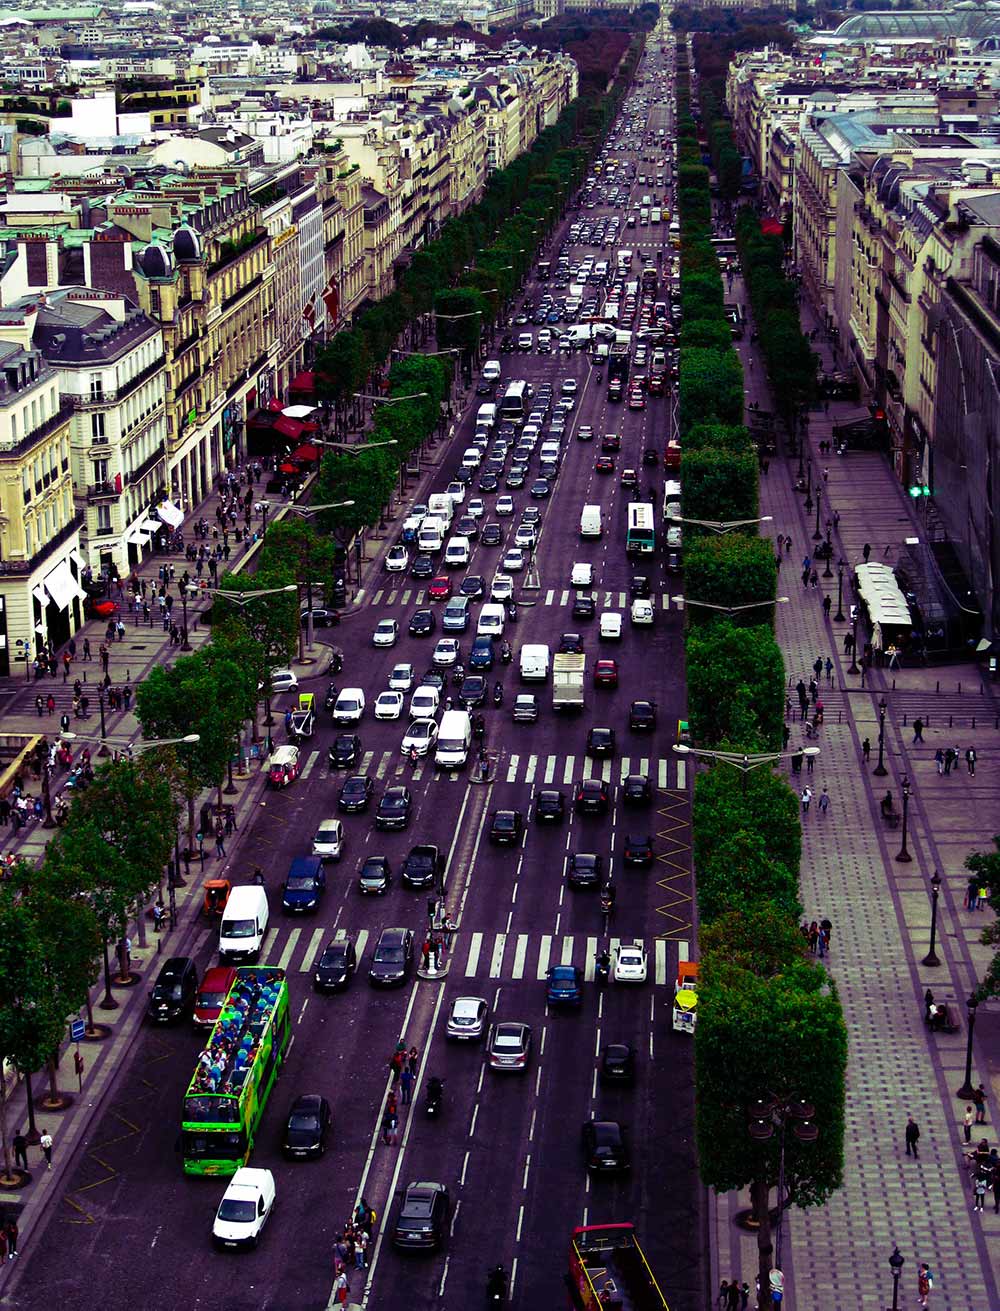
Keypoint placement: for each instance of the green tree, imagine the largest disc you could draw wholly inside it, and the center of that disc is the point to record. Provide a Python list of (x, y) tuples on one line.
[(726, 802), (725, 437), (293, 546), (740, 875), (460, 316), (720, 485), (731, 570), (735, 686), (710, 388)]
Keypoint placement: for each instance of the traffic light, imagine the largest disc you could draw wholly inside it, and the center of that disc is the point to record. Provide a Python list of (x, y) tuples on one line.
[(919, 489)]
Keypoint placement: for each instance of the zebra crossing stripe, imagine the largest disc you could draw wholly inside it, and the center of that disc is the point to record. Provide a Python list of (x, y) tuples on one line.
[(588, 968), (567, 950), (496, 964), (568, 770), (377, 598), (644, 766), (286, 955), (550, 769), (405, 599), (392, 597), (383, 764), (660, 957), (607, 600), (366, 761), (312, 951), (683, 948), (682, 773), (564, 599), (512, 768), (520, 952), (665, 600), (550, 596), (529, 773), (360, 596), (544, 949), (661, 778), (307, 769), (475, 946)]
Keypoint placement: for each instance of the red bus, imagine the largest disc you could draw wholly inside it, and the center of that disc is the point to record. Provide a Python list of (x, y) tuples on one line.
[(608, 1271)]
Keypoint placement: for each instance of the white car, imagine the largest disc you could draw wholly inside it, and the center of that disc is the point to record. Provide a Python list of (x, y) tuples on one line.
[(283, 680), (610, 629), (424, 703), (630, 963), (420, 737), (397, 560), (245, 1208), (388, 705), (502, 587), (328, 843), (401, 678), (569, 387), (642, 613), (513, 560), (445, 653), (525, 536), (476, 507), (505, 504), (349, 706), (582, 575), (457, 492), (467, 1018), (386, 633)]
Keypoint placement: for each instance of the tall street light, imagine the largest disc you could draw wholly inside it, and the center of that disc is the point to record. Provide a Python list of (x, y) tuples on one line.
[(896, 1267), (743, 761), (306, 512), (932, 957), (854, 641), (903, 854), (839, 616), (966, 1091), (719, 525), (880, 769), (766, 1116), (728, 609)]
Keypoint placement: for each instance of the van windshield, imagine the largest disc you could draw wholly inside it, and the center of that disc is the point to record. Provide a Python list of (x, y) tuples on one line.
[(239, 928)]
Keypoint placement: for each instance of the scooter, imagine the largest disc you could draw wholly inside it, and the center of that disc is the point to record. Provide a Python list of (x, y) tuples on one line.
[(506, 654), (435, 1095), (498, 694), (496, 1286), (602, 968), (512, 611)]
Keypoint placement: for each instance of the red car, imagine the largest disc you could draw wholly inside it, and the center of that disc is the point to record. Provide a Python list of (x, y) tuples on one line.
[(636, 400), (606, 673), (611, 442), (103, 609), (605, 464), (440, 588)]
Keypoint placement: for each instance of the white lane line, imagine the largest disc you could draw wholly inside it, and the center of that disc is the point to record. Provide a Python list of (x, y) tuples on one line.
[(496, 964), (286, 955), (568, 769), (310, 764), (545, 947), (660, 956), (312, 950), (567, 950), (520, 953), (475, 947), (606, 772), (661, 774)]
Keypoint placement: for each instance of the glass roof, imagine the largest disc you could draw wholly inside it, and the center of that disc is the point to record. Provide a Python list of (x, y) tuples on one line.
[(972, 21)]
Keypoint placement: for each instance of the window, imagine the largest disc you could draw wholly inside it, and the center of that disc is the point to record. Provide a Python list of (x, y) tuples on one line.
[(97, 427), (103, 518), (96, 387)]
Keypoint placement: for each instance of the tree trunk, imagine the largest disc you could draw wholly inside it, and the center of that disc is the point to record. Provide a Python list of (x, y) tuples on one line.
[(90, 1006), (8, 1170), (190, 826), (52, 1068), (760, 1195)]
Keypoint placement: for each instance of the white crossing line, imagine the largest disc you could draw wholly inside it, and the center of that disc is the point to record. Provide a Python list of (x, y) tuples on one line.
[(588, 768), (359, 945), (383, 764), (308, 767), (568, 770), (529, 773), (564, 599), (312, 951), (680, 603), (391, 598), (405, 598), (622, 600), (608, 601), (665, 600), (626, 761), (550, 769), (661, 774), (270, 946), (683, 948), (606, 771), (544, 948), (366, 762), (360, 596), (286, 955), (377, 598), (419, 598), (519, 954), (588, 968), (512, 768), (475, 946), (682, 773), (660, 957), (567, 950), (550, 596), (496, 964)]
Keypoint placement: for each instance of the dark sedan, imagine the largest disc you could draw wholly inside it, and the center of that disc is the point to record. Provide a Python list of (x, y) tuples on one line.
[(335, 968), (307, 1126), (472, 585), (585, 870), (550, 807), (506, 827), (637, 790), (618, 1063), (346, 751), (584, 605), (422, 623), (481, 656), (394, 809), (422, 567), (356, 793), (642, 716), (492, 534), (422, 867), (571, 644), (321, 617), (638, 850), (604, 1147), (601, 742), (375, 877), (392, 960), (591, 797), (472, 693)]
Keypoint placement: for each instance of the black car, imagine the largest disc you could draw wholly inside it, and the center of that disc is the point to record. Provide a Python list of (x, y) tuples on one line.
[(584, 605), (488, 482), (467, 526), (375, 876), (335, 968), (484, 388), (591, 797), (505, 828), (492, 534), (394, 809), (172, 995), (540, 488), (585, 870), (570, 644), (650, 456), (307, 1126), (506, 343), (423, 1217), (638, 850), (422, 567), (601, 742), (642, 716), (481, 656), (392, 960), (472, 586), (639, 587), (356, 793), (321, 617), (346, 751), (604, 1147), (550, 806), (637, 790), (618, 1063), (472, 693), (422, 866), (515, 478), (422, 623), (433, 678)]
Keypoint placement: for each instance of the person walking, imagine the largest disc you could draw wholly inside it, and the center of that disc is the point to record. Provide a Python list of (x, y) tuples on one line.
[(20, 1145), (45, 1143), (949, 760), (807, 797), (722, 1301), (939, 760), (86, 648), (866, 551), (733, 1298), (925, 1283), (406, 1085), (824, 801), (967, 1122), (11, 1232), (979, 1187), (360, 1249), (918, 729), (979, 1102), (866, 750), (970, 761), (996, 1189), (829, 671), (220, 836), (827, 604), (912, 1136)]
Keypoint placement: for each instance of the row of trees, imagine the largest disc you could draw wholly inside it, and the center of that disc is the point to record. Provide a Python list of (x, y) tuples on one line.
[(770, 1034)]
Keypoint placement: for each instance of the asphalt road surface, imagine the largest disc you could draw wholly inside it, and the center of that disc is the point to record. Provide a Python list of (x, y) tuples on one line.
[(133, 1232)]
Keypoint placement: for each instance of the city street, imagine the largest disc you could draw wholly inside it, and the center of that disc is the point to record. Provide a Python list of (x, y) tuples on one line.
[(507, 1146)]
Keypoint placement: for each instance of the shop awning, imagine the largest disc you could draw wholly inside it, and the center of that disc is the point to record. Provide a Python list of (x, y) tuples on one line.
[(140, 531), (62, 586), (170, 514), (304, 381), (880, 591), (306, 453), (78, 559), (274, 404), (288, 468), (298, 411), (290, 428), (40, 595)]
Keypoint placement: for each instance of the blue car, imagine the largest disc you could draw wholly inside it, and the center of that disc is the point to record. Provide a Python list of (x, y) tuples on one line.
[(481, 655), (564, 987), (304, 885)]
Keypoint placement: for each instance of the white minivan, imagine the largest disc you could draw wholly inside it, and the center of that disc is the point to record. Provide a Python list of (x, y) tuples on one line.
[(244, 923), (491, 621), (590, 521), (487, 415), (491, 371), (456, 553), (454, 740)]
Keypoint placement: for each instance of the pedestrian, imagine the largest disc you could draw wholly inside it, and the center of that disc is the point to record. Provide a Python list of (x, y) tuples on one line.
[(341, 1289), (158, 917), (807, 797), (220, 834), (925, 1282), (805, 577), (86, 648), (722, 1301), (797, 760), (972, 894), (39, 706), (10, 1229), (918, 730), (866, 551), (406, 1085), (20, 1144), (827, 604), (848, 643), (928, 1003), (912, 1136), (829, 671), (866, 750), (360, 1249), (996, 1188), (780, 541), (744, 1295), (950, 759), (970, 761), (230, 820), (50, 704), (939, 760), (814, 580), (967, 1121), (979, 1102), (45, 1143), (824, 800), (979, 1188), (818, 667), (3, 1247), (786, 733)]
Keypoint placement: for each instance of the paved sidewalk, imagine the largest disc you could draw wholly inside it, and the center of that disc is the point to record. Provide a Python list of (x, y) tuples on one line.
[(837, 1256)]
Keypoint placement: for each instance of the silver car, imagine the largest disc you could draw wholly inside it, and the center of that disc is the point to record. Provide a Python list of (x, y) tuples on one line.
[(509, 1046), (467, 1018)]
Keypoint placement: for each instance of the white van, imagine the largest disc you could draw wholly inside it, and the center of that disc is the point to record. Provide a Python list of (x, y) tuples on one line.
[(472, 457), (487, 415), (430, 539), (611, 626), (534, 664), (491, 371), (456, 553), (244, 923), (491, 621), (590, 521), (550, 451), (672, 499), (655, 215), (441, 506), (642, 612), (454, 740)]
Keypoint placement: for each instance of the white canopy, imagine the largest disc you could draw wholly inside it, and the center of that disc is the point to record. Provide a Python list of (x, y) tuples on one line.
[(298, 411), (62, 586), (881, 593), (170, 514)]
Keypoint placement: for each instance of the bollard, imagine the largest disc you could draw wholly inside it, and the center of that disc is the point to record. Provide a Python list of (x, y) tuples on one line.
[(960, 689), (904, 721), (950, 720), (894, 685), (973, 723), (937, 686)]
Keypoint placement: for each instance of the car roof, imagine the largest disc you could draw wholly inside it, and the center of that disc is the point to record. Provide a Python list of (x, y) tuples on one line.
[(466, 1005)]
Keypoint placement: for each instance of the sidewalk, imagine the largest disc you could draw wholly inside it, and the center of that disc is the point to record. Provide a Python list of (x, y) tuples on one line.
[(837, 1256)]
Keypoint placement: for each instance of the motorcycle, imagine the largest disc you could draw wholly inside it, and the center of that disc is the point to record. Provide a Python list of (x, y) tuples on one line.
[(602, 968), (458, 675), (512, 611), (435, 1095), (496, 1286), (498, 694), (506, 654), (478, 727)]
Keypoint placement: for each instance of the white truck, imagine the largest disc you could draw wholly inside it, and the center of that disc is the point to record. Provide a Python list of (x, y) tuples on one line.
[(567, 681), (534, 663)]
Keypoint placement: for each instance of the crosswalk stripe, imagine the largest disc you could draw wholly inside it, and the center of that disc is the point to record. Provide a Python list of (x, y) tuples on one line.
[(622, 600), (625, 770), (665, 600), (567, 950), (360, 596), (545, 947), (564, 599), (391, 600), (286, 955), (307, 768), (683, 947), (682, 774), (519, 954), (588, 968), (661, 774), (588, 768), (680, 603), (475, 946), (419, 598), (529, 773), (366, 762), (405, 598), (550, 596), (377, 598), (383, 764), (608, 602), (550, 769), (512, 768), (312, 951), (606, 771), (568, 770), (660, 956), (496, 964)]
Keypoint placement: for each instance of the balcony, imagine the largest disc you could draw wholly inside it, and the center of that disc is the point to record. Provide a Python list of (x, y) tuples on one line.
[(104, 491), (22, 568), (112, 395), (40, 433), (149, 463)]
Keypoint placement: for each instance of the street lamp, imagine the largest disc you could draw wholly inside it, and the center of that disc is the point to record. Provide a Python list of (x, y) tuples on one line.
[(904, 854), (306, 512), (729, 609), (719, 525), (809, 490), (966, 1091), (880, 769), (839, 616), (743, 761), (896, 1266), (770, 1113), (241, 600), (185, 644), (854, 641), (817, 535), (388, 400), (932, 957)]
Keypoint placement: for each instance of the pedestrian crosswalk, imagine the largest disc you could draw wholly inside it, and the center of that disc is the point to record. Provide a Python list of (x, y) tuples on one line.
[(386, 597), (474, 955), (520, 767)]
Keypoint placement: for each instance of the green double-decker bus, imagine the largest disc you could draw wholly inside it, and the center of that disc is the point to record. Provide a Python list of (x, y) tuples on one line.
[(236, 1072)]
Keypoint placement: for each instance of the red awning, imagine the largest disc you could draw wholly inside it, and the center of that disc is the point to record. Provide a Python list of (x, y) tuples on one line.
[(275, 405), (307, 453), (290, 428), (772, 227), (304, 381), (288, 468)]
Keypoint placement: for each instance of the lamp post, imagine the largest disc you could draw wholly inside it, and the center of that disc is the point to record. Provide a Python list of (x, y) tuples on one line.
[(719, 526), (880, 769), (817, 535), (306, 512), (809, 492), (896, 1266), (767, 1115), (828, 571), (854, 641), (839, 616), (729, 610), (903, 854), (185, 644), (966, 1091), (932, 958), (743, 761)]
